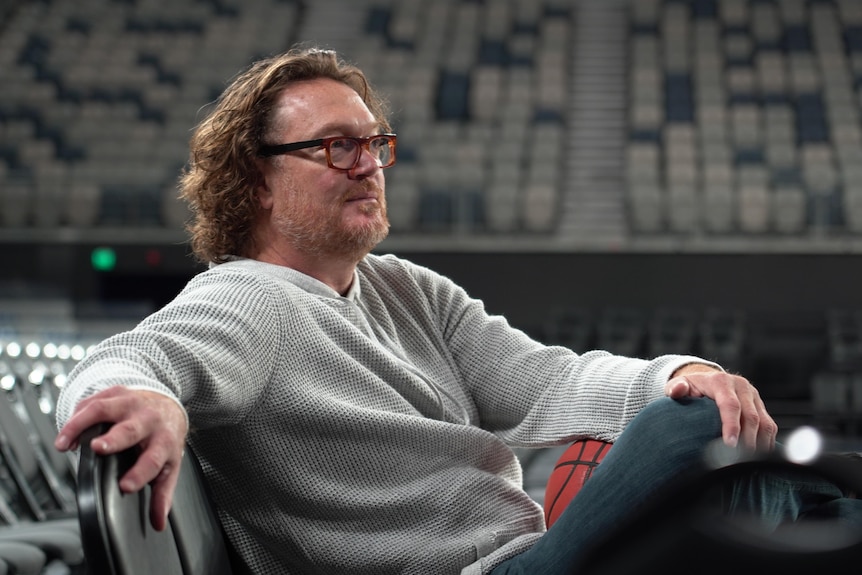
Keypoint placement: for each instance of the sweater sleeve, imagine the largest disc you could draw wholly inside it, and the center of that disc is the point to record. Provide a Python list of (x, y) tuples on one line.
[(531, 394), (210, 349)]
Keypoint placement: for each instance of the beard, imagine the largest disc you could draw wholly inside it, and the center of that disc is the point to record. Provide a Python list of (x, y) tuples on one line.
[(320, 230)]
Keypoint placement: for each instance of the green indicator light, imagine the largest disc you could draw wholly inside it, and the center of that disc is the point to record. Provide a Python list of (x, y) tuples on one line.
[(103, 259)]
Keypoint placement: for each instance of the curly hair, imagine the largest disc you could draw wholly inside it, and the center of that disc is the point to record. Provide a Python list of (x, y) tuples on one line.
[(221, 177)]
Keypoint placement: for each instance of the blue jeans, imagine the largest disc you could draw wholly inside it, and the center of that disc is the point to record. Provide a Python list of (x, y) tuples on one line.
[(665, 440)]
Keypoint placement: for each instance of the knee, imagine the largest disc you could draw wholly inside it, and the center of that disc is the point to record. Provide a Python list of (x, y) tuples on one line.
[(667, 420), (695, 411)]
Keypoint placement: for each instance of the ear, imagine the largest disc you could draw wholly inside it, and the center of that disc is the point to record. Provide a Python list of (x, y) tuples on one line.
[(263, 191), (264, 195)]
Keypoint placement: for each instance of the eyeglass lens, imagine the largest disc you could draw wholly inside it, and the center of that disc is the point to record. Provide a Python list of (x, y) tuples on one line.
[(344, 152)]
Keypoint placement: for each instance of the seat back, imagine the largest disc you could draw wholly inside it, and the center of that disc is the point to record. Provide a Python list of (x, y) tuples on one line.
[(44, 425), (28, 465), (117, 536)]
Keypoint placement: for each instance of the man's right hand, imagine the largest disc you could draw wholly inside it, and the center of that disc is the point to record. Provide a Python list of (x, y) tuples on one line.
[(148, 419)]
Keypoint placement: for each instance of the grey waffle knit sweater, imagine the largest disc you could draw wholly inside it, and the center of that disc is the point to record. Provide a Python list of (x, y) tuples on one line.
[(369, 433)]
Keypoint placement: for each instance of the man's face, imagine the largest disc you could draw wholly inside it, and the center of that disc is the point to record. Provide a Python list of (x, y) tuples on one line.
[(318, 210)]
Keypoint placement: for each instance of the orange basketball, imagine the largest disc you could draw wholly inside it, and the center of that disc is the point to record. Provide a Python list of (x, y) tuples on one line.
[(573, 468)]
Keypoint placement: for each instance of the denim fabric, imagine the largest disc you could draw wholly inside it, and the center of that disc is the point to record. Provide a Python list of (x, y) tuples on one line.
[(667, 439)]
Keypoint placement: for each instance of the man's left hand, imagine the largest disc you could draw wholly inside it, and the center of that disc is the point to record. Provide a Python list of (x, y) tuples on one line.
[(743, 415)]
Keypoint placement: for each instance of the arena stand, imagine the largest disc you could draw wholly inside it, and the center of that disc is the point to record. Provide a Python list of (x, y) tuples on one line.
[(559, 131)]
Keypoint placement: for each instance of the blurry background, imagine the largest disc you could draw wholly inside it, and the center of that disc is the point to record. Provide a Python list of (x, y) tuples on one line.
[(643, 176)]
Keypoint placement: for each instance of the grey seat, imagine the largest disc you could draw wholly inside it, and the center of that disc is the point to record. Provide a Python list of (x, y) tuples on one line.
[(116, 532), (43, 427), (30, 519), (21, 558), (46, 494), (54, 540)]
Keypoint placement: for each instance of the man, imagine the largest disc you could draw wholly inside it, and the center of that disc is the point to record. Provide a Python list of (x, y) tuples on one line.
[(356, 413)]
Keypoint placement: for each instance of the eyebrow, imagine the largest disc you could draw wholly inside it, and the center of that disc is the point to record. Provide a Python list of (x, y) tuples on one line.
[(341, 128)]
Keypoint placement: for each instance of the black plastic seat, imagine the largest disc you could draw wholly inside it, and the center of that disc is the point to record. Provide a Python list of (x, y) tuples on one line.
[(116, 532)]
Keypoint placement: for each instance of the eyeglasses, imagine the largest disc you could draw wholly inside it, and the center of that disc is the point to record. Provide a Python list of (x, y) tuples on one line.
[(342, 152)]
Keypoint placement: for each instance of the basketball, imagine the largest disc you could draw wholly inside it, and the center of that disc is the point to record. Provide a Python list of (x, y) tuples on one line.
[(572, 469)]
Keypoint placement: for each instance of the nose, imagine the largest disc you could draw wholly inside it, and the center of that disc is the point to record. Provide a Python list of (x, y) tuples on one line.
[(366, 165)]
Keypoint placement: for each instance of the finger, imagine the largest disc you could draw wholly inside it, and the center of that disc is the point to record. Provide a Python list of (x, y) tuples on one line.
[(730, 411), (759, 429), (153, 459), (84, 418), (136, 416), (66, 440), (680, 387), (98, 408), (677, 388), (768, 429), (750, 423), (163, 495), (124, 434)]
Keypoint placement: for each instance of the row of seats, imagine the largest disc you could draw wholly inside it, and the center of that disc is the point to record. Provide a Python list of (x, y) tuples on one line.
[(102, 97), (741, 342), (744, 117), (479, 92), (99, 99), (39, 529), (806, 370), (717, 334)]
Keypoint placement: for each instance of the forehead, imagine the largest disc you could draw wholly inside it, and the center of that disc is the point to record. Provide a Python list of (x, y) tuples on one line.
[(320, 107)]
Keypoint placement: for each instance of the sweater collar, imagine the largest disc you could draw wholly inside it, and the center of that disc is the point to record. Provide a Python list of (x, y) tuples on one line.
[(297, 278)]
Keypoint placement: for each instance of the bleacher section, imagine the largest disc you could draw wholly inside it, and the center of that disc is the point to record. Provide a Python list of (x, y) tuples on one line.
[(570, 121), (530, 126), (102, 95), (744, 117), (99, 96), (479, 93)]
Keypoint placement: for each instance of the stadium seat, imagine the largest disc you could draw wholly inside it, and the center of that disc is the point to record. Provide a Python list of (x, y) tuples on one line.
[(20, 559), (27, 545), (116, 532), (57, 542), (722, 336), (621, 330), (37, 482)]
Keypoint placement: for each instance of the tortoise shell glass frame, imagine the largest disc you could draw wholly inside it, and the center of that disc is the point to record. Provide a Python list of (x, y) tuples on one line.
[(342, 152)]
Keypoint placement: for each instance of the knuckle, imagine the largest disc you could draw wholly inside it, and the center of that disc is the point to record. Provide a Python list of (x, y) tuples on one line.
[(770, 427), (130, 430), (96, 408), (731, 401), (751, 416), (113, 391), (731, 384), (153, 461)]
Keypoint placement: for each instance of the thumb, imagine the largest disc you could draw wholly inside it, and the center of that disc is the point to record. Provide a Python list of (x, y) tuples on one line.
[(677, 387)]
